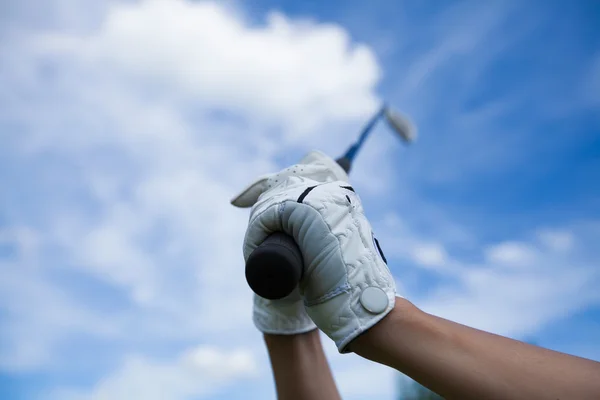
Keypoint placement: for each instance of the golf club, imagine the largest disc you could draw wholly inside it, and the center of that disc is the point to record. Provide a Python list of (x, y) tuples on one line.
[(274, 268), (399, 123)]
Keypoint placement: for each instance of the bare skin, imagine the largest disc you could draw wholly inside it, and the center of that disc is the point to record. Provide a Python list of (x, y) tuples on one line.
[(459, 362), (300, 367), (454, 360)]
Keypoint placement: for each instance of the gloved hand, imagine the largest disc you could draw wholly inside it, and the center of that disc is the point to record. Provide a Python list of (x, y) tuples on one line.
[(347, 286), (287, 316)]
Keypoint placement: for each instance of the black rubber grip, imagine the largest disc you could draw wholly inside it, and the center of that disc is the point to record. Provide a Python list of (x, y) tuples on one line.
[(274, 268)]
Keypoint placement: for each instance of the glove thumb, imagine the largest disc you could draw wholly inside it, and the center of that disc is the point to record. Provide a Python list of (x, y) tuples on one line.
[(315, 166), (249, 196)]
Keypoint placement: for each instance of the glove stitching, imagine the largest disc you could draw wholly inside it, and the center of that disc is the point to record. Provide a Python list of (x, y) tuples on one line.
[(347, 284), (329, 295), (339, 246)]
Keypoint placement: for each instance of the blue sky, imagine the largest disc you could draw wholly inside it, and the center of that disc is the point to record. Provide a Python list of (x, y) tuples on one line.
[(126, 126)]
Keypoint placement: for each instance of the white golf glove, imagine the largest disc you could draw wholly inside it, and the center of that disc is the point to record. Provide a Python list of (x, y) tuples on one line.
[(347, 286), (286, 316)]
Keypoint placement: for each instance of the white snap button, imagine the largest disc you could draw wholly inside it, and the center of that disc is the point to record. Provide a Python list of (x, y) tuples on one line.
[(374, 300)]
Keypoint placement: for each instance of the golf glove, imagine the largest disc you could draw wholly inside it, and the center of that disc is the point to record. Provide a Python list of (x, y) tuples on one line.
[(347, 286), (287, 316)]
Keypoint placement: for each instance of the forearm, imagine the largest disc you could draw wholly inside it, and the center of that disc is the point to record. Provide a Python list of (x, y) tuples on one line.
[(300, 367), (459, 362)]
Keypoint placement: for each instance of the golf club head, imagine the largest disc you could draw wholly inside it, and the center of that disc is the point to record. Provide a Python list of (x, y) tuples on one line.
[(401, 125)]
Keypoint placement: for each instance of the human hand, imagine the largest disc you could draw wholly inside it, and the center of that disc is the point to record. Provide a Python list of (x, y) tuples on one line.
[(287, 316), (347, 286)]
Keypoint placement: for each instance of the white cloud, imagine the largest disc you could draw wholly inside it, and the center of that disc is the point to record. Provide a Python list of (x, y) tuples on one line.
[(402, 244), (519, 301), (511, 254), (361, 379), (510, 288), (218, 364), (145, 179), (561, 241), (430, 254), (514, 303), (39, 316), (128, 171), (298, 72), (197, 372)]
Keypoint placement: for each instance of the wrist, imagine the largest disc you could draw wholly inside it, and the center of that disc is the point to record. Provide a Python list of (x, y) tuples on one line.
[(300, 367), (301, 347), (376, 340), (291, 337)]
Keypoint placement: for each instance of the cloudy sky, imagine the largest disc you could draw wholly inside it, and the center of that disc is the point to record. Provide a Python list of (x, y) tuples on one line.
[(126, 127)]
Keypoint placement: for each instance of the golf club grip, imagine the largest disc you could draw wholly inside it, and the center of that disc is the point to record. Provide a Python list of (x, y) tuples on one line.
[(275, 267)]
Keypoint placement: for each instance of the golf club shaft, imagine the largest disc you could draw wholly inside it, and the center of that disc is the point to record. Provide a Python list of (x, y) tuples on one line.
[(354, 148)]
